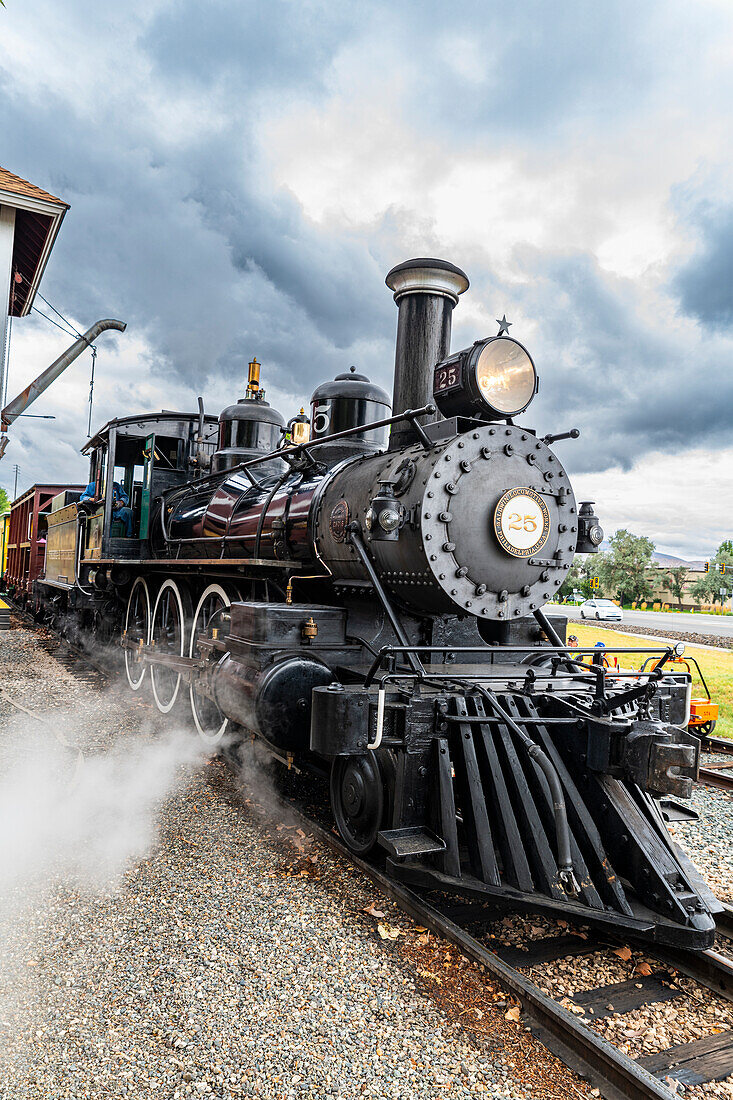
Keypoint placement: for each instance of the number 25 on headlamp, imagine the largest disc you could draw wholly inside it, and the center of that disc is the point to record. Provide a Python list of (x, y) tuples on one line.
[(492, 380)]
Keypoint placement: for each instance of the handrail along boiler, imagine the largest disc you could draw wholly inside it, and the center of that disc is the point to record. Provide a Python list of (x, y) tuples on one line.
[(373, 600)]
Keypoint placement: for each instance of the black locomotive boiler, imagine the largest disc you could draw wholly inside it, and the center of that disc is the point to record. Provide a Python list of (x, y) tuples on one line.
[(369, 598)]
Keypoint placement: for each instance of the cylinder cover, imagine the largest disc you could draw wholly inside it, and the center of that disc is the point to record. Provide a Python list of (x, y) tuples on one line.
[(274, 702)]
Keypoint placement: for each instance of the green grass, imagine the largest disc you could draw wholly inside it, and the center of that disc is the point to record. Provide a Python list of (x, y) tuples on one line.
[(716, 665)]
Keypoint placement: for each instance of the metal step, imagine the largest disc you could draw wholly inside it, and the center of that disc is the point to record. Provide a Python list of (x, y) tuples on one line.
[(410, 843)]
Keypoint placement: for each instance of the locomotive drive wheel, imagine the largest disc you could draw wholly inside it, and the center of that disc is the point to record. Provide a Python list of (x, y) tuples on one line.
[(171, 622), (358, 801), (137, 629), (208, 719)]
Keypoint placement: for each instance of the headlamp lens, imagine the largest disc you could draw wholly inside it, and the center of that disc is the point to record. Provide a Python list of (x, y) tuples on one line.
[(389, 519), (505, 376)]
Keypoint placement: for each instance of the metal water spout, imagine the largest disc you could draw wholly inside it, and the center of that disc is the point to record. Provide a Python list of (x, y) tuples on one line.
[(20, 403)]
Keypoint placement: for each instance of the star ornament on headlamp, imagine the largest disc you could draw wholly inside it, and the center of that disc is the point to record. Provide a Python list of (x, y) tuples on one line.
[(493, 380), (504, 326)]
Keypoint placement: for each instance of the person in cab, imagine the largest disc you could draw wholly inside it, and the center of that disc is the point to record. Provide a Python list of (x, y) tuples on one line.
[(120, 504)]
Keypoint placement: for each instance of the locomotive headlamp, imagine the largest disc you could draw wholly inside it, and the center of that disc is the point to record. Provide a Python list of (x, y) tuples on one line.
[(389, 519), (495, 378)]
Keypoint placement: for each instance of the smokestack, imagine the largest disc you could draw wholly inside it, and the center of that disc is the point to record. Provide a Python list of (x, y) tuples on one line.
[(425, 291)]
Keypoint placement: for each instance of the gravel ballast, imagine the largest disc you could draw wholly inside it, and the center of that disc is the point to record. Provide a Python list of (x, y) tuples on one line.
[(165, 937), (709, 840)]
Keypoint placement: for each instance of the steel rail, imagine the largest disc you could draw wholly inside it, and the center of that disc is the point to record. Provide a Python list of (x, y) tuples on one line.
[(708, 968), (709, 778), (724, 921)]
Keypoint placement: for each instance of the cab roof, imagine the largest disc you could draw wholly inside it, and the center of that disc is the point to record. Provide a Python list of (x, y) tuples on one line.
[(145, 421)]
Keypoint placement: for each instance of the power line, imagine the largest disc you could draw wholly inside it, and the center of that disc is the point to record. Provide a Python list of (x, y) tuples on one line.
[(58, 314), (68, 331)]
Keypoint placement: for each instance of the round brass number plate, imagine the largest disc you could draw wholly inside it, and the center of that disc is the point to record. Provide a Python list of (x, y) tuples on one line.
[(521, 522)]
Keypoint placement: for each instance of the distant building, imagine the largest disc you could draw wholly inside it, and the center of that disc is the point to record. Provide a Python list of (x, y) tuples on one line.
[(659, 576)]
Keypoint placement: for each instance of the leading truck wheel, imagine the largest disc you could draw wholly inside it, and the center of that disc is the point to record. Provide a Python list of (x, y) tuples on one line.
[(210, 723), (358, 800), (169, 636), (137, 631)]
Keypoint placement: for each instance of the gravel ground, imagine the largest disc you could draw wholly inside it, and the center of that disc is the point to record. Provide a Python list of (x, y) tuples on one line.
[(709, 840), (161, 936)]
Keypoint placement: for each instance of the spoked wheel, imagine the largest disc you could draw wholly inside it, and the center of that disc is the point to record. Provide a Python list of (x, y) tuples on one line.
[(208, 719), (706, 728), (171, 619), (358, 800), (137, 630)]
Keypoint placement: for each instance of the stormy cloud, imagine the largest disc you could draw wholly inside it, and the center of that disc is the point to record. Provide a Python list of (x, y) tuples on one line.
[(241, 177)]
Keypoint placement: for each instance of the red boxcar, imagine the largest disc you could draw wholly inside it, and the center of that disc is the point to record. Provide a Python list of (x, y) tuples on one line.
[(27, 539)]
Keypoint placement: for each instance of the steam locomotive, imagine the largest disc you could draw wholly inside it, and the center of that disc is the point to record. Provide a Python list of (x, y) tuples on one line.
[(362, 589)]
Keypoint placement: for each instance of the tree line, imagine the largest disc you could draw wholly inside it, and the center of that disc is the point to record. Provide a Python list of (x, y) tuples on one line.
[(626, 572)]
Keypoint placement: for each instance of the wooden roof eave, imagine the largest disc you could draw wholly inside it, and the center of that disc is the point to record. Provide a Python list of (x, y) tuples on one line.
[(55, 212)]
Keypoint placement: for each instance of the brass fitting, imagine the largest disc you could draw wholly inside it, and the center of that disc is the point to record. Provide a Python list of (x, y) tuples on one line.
[(253, 379)]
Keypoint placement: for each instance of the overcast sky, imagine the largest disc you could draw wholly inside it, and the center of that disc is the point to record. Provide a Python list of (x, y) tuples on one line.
[(242, 175)]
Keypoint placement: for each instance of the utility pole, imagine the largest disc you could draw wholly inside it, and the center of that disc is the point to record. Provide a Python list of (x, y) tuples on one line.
[(16, 470)]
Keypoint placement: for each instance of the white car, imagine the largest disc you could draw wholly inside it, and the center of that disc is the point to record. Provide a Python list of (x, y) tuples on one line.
[(601, 609)]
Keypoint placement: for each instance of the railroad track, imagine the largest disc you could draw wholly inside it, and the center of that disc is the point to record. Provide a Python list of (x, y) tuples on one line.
[(566, 1028), (716, 774), (64, 651)]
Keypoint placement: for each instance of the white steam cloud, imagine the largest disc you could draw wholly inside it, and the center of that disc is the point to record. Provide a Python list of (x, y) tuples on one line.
[(80, 818), (71, 822)]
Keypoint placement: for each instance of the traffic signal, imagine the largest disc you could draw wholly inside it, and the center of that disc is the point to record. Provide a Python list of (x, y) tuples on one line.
[(595, 582), (722, 567), (707, 567)]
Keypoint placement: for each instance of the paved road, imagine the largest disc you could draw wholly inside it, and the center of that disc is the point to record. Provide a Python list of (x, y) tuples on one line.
[(720, 626)]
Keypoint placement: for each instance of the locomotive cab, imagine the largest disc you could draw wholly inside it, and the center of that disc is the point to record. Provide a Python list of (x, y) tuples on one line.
[(144, 456)]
